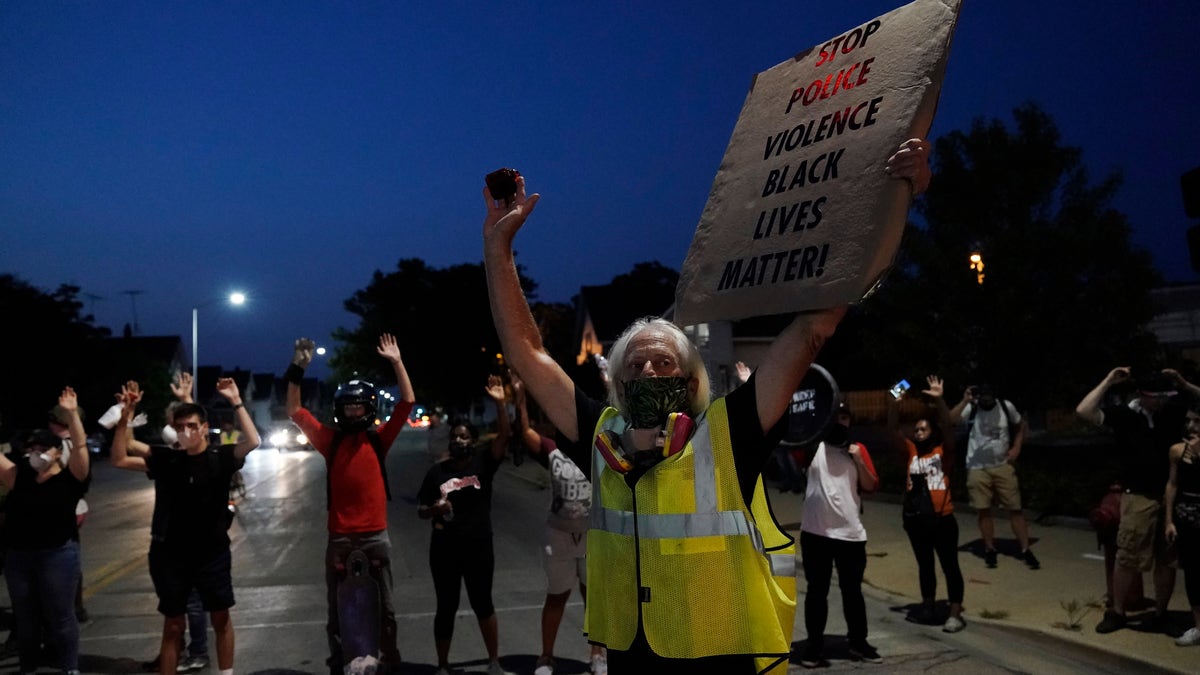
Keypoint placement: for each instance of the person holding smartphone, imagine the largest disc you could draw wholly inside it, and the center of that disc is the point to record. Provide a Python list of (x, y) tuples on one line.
[(928, 512)]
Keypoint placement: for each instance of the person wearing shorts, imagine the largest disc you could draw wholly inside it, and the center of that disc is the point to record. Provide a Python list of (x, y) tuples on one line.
[(189, 531), (996, 432), (564, 556), (1144, 429)]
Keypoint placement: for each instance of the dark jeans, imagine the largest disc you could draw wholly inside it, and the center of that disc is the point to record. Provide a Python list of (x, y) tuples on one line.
[(45, 579), (821, 555), (378, 548), (197, 626), (936, 534), (454, 562)]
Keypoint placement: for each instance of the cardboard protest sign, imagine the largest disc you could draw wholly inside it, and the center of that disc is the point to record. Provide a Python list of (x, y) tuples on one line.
[(801, 214)]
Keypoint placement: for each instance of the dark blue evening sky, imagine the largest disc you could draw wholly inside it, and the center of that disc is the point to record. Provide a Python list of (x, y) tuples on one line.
[(290, 149)]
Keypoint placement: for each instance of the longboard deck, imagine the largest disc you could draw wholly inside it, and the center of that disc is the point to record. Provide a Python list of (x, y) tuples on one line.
[(358, 616)]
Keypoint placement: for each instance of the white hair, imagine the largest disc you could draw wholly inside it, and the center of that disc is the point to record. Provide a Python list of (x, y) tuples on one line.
[(690, 362)]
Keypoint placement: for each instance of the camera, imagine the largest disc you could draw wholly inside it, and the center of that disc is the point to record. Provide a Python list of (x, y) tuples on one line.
[(502, 183), (899, 388)]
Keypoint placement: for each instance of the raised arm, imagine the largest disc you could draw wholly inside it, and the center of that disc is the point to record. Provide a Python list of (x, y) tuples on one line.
[(955, 413), (495, 391), (1192, 390), (788, 359), (1089, 407), (389, 350), (893, 424), (130, 395), (302, 354), (790, 355), (527, 435), (79, 462), (181, 387), (520, 339), (228, 388)]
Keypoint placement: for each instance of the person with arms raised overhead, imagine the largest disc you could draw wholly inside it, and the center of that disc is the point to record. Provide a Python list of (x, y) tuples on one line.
[(684, 585)]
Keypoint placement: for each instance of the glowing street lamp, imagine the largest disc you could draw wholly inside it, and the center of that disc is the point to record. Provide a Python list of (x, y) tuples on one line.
[(237, 298), (976, 259)]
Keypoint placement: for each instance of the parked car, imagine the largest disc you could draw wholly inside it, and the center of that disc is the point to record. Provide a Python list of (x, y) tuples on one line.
[(287, 436)]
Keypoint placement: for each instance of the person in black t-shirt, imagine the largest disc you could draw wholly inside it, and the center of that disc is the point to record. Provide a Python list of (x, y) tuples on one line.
[(189, 531), (1144, 429), (42, 565), (457, 496)]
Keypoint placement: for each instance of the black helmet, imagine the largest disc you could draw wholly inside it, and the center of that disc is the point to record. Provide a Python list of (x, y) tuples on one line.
[(354, 392)]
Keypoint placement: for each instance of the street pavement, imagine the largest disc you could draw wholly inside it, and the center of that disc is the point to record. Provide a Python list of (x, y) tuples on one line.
[(1016, 620)]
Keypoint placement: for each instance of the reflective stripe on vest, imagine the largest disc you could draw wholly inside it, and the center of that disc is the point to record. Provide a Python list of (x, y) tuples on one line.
[(706, 521), (782, 564)]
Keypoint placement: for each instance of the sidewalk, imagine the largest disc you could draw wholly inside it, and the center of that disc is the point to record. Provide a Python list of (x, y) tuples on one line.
[(1011, 596)]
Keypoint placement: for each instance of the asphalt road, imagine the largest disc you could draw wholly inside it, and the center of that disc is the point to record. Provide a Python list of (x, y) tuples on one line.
[(278, 546)]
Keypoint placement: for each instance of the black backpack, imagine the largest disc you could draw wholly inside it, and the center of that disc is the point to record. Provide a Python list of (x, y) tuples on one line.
[(380, 454)]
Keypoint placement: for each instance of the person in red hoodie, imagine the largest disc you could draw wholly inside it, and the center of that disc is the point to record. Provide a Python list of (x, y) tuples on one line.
[(355, 453)]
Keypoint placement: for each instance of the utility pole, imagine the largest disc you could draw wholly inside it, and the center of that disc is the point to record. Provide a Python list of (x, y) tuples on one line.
[(133, 305)]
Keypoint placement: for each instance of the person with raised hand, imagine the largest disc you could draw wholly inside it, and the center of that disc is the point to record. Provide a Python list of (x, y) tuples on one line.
[(673, 601), (356, 483), (42, 565), (189, 531)]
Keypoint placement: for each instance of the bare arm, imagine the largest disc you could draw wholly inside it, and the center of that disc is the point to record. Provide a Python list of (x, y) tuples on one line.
[(1089, 407), (1014, 451), (79, 462), (955, 413), (1176, 453), (788, 359), (495, 391), (8, 472), (893, 424), (301, 356), (249, 440), (520, 339), (389, 350), (531, 439), (867, 480), (130, 396)]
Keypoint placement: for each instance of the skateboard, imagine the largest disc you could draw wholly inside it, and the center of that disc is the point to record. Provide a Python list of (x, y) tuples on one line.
[(358, 616)]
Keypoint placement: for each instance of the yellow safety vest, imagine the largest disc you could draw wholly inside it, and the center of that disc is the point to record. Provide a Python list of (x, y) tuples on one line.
[(709, 575), (230, 437)]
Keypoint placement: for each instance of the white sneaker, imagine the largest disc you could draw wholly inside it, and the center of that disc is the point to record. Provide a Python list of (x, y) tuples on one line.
[(544, 667), (599, 665), (495, 669), (953, 625), (1189, 639)]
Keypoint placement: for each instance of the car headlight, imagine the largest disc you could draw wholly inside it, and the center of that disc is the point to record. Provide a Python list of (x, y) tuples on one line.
[(279, 439), (301, 438)]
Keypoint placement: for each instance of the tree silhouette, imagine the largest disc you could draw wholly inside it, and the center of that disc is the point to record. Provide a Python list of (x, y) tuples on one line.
[(1065, 294)]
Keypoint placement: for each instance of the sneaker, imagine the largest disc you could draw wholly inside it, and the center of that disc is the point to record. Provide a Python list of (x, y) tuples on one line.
[(1031, 560), (190, 664), (1189, 639), (953, 625), (1111, 622), (989, 558), (864, 652), (599, 664), (495, 669), (544, 666)]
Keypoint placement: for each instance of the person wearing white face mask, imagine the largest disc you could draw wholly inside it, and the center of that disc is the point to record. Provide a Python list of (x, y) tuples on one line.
[(189, 533), (42, 567)]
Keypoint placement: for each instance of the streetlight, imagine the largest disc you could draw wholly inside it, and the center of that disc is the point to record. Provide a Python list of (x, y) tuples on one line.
[(236, 298)]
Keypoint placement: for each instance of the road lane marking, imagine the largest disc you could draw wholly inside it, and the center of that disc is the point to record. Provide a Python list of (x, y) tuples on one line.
[(110, 573)]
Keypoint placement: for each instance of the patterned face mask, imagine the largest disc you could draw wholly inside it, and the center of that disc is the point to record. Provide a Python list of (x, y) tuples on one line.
[(650, 400)]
